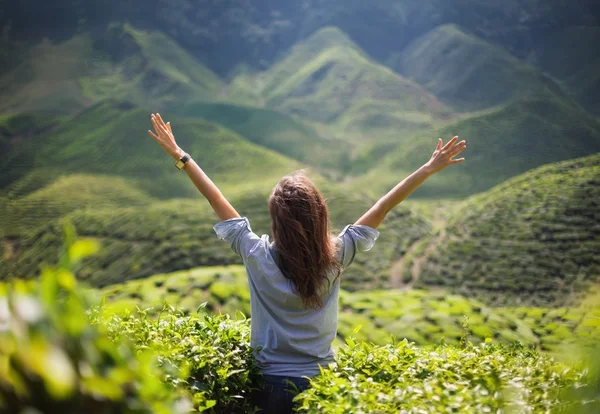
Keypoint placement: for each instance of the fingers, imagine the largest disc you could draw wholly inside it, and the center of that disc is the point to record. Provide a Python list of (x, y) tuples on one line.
[(456, 161), (161, 122), (153, 135), (457, 149), (156, 126), (450, 143), (159, 128), (169, 126), (439, 144)]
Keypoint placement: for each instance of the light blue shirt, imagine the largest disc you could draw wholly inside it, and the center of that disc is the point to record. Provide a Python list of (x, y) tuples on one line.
[(295, 341)]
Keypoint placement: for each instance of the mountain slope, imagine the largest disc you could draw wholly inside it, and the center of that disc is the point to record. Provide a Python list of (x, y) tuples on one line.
[(66, 194), (119, 63), (469, 73), (533, 239), (271, 129), (111, 138), (328, 79), (501, 143)]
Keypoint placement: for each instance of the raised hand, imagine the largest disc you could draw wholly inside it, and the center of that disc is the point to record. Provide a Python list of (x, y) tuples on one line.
[(442, 156), (164, 136)]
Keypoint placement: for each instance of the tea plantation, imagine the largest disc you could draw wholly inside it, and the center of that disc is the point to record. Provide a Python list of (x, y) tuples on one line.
[(63, 351), (423, 317), (532, 240), (166, 236)]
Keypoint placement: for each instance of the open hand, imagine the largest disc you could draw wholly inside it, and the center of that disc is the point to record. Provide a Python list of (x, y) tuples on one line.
[(165, 137), (442, 156)]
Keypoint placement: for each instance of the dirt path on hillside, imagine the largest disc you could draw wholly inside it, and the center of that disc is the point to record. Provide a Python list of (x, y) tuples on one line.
[(398, 267)]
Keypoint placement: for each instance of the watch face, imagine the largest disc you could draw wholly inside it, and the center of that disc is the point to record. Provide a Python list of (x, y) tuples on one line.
[(179, 164)]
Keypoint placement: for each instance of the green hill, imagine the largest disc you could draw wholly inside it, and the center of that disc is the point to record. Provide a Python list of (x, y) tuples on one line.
[(120, 63), (69, 193), (572, 56), (531, 240), (328, 79), (273, 130), (19, 136), (501, 143), (177, 234), (467, 72), (111, 138)]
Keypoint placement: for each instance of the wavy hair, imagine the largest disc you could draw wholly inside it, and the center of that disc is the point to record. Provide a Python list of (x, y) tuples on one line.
[(300, 227)]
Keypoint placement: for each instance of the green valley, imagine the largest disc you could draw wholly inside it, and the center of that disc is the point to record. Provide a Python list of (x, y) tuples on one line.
[(482, 291)]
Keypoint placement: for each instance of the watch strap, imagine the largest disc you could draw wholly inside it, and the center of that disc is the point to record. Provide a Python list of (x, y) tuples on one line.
[(182, 161)]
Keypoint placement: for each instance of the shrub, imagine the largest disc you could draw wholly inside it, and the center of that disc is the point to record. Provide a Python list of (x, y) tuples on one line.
[(402, 378), (52, 360), (207, 356)]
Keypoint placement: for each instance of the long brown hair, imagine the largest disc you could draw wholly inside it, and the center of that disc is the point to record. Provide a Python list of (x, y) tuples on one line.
[(300, 226)]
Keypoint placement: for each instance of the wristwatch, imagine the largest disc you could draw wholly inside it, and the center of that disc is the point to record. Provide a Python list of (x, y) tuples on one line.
[(182, 161)]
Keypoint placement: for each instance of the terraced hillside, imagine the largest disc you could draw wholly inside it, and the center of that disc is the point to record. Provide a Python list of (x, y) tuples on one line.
[(469, 73), (532, 240), (121, 63), (424, 317), (177, 234), (66, 194), (501, 143)]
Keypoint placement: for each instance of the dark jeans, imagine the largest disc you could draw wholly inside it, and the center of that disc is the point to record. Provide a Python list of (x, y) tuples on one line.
[(277, 395)]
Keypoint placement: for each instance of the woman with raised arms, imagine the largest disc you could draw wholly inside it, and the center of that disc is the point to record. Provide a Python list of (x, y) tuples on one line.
[(295, 279)]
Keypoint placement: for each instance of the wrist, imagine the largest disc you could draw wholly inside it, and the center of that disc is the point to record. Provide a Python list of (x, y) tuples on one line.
[(427, 170), (177, 154)]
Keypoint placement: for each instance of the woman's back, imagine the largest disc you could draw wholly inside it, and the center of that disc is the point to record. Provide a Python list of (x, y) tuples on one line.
[(293, 338)]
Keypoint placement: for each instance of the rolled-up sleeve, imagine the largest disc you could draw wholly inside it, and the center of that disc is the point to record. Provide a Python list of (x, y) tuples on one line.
[(356, 238), (238, 233)]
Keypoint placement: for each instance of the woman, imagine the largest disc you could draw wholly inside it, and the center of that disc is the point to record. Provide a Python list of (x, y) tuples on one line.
[(294, 280)]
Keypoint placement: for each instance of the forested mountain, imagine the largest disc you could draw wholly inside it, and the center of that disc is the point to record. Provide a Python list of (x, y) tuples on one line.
[(224, 33), (357, 92)]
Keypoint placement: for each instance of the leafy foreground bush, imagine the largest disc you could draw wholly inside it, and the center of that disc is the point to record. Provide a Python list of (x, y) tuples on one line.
[(208, 356), (55, 361), (52, 360), (402, 378)]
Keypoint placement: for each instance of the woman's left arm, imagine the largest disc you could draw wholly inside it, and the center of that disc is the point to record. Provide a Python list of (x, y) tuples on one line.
[(164, 136)]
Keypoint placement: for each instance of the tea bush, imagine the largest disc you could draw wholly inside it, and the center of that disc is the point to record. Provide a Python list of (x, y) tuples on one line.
[(52, 360), (208, 356), (402, 378), (62, 353)]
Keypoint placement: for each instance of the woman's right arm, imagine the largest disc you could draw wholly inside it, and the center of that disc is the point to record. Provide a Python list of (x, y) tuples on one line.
[(441, 158)]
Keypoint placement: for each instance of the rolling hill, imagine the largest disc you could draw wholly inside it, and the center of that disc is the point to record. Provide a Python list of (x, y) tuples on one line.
[(532, 240), (271, 129), (469, 73), (110, 138), (119, 63), (328, 79), (139, 241), (68, 193), (501, 143)]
